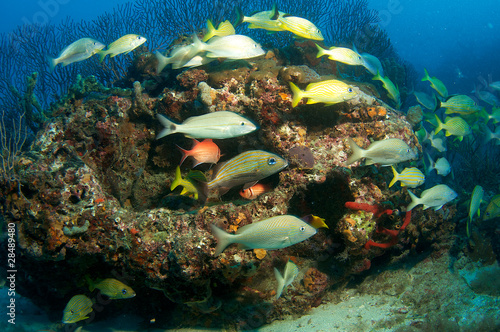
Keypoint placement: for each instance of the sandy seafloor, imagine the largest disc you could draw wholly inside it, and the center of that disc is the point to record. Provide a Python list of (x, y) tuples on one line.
[(432, 293)]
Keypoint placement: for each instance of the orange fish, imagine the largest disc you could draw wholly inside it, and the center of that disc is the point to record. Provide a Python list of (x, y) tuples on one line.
[(255, 191), (202, 152)]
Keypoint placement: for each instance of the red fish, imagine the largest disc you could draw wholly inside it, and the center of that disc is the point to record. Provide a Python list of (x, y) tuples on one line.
[(202, 152), (254, 191)]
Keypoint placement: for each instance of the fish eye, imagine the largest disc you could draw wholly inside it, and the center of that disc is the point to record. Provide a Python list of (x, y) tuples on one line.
[(349, 89), (302, 228), (271, 161), (124, 291), (242, 124), (71, 312)]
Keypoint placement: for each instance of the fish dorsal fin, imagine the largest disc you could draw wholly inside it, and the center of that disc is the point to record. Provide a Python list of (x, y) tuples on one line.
[(195, 143), (275, 12)]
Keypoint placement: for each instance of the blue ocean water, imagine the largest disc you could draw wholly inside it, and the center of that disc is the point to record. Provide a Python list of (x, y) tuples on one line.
[(457, 41)]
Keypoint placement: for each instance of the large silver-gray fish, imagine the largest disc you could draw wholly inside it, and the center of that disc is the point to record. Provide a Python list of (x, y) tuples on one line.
[(385, 152), (246, 168), (233, 47), (79, 50), (273, 233), (218, 125), (434, 197)]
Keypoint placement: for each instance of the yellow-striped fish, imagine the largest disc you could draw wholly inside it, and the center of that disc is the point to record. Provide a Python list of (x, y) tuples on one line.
[(453, 126), (77, 309), (391, 88), (273, 233), (461, 104), (112, 288), (191, 185), (261, 20), (385, 152), (436, 84), (434, 197), (289, 275), (475, 202), (218, 125), (328, 92), (299, 26), (493, 208), (79, 50), (341, 54), (246, 168), (410, 177), (225, 29), (123, 44)]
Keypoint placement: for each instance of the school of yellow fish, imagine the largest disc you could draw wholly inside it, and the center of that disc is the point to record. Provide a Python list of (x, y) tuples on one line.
[(247, 168)]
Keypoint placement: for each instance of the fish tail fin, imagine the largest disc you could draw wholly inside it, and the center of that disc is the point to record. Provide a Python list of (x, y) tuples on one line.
[(431, 164), (281, 283), (177, 179), (275, 12), (239, 17), (357, 152), (89, 282), (377, 77), (101, 54), (297, 94), (395, 179), (210, 31), (321, 51), (426, 76), (414, 201), (185, 154), (52, 63), (223, 239), (163, 61), (439, 125), (170, 127)]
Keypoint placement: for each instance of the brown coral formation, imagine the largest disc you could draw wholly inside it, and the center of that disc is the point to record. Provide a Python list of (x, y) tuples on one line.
[(95, 196)]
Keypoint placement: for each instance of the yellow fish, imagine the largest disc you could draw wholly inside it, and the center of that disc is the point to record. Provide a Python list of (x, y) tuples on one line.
[(493, 208), (341, 54), (262, 20), (392, 89), (225, 29), (300, 27), (328, 92), (123, 44), (436, 84), (475, 202), (410, 177), (453, 126), (112, 288), (77, 309), (460, 104), (191, 185)]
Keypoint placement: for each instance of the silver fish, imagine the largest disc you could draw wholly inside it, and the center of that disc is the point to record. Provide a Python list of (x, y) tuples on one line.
[(233, 47), (273, 233), (434, 197), (385, 152), (79, 50), (222, 124), (289, 275)]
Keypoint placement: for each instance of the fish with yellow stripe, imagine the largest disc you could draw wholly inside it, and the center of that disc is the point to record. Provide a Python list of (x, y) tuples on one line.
[(246, 168), (453, 126), (493, 208), (341, 54), (261, 20), (112, 288), (410, 177), (193, 185), (225, 29), (124, 44), (77, 309), (329, 92), (273, 233), (461, 104)]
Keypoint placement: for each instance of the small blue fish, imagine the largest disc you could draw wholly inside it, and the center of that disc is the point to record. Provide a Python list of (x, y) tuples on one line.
[(272, 233)]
